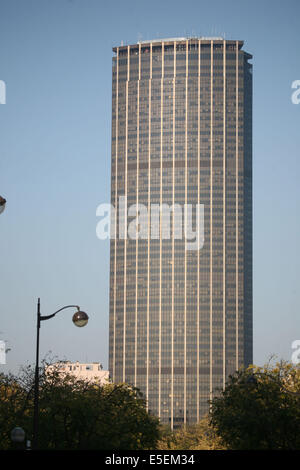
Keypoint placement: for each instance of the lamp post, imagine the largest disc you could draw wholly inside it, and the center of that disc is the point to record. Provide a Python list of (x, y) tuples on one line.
[(2, 204), (79, 319)]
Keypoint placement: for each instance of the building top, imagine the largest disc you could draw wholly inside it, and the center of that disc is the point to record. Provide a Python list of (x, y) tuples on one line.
[(82, 365), (92, 371), (171, 41), (181, 39)]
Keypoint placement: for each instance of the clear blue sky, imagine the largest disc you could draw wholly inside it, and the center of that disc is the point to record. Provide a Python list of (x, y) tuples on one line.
[(55, 57)]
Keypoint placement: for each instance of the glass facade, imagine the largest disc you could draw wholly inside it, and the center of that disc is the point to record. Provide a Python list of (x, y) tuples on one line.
[(180, 320)]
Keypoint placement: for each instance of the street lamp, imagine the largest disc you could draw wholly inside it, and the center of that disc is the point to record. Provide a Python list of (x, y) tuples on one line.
[(2, 204), (79, 319), (17, 436)]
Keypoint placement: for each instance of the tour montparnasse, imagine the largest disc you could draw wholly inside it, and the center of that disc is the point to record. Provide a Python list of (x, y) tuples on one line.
[(181, 320)]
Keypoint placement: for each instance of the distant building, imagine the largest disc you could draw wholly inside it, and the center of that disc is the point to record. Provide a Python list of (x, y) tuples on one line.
[(92, 372)]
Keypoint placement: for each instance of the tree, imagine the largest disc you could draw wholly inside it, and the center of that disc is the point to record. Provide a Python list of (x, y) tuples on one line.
[(259, 408), (200, 436), (13, 403), (76, 414)]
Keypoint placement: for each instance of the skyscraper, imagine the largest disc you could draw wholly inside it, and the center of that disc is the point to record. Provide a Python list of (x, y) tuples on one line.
[(181, 320)]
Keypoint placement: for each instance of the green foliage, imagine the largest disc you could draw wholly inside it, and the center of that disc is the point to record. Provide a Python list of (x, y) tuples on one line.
[(259, 408), (13, 405), (76, 414), (200, 436)]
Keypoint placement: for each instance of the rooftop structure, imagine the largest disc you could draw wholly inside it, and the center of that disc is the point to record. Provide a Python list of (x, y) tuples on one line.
[(92, 372)]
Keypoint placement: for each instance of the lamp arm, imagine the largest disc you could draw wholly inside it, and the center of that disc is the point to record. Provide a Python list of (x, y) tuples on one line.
[(47, 317)]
